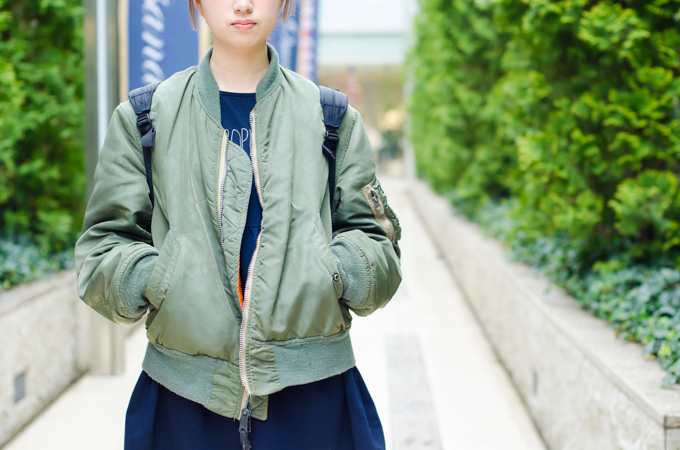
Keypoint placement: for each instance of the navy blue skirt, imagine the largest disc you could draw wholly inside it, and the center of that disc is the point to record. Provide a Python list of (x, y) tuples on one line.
[(336, 413)]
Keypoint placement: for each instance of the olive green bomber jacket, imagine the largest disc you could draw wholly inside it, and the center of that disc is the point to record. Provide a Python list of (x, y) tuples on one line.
[(312, 263)]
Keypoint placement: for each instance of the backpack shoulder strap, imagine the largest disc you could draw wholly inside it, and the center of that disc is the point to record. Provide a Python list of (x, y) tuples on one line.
[(334, 104), (140, 99)]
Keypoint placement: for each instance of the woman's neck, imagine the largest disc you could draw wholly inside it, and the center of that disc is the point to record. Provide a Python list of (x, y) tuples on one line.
[(238, 70)]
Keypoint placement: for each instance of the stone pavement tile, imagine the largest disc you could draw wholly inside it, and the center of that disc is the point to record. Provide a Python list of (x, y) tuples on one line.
[(371, 358)]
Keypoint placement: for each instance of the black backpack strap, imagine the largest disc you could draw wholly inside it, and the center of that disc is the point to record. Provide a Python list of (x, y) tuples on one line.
[(140, 99), (334, 104)]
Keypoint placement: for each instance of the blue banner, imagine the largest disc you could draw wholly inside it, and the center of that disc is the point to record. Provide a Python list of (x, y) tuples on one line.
[(307, 40), (284, 38), (161, 40)]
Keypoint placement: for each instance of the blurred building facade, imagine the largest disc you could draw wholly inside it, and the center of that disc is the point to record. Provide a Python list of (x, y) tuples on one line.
[(362, 49)]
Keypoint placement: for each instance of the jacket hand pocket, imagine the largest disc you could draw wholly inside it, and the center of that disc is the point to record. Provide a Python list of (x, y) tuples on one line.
[(328, 258), (159, 283)]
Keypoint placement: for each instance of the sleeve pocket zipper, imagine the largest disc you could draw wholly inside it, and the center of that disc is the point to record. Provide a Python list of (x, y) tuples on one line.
[(375, 201)]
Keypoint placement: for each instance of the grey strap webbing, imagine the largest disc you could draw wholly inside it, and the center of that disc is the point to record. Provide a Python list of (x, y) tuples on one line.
[(140, 99), (334, 104)]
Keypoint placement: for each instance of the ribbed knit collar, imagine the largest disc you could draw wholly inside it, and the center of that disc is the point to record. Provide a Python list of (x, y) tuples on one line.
[(210, 92)]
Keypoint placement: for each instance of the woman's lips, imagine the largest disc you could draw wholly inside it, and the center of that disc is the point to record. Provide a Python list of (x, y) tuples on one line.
[(243, 26)]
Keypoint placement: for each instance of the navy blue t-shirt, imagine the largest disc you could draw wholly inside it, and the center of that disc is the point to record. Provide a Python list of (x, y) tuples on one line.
[(236, 107)]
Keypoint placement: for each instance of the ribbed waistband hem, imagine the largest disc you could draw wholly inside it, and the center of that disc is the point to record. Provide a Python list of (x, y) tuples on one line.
[(272, 366), (212, 382)]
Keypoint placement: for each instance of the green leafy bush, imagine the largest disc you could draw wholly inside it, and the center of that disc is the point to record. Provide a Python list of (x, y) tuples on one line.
[(456, 63), (556, 124), (571, 107), (42, 171)]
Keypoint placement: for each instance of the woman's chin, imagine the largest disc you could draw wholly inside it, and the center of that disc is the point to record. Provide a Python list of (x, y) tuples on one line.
[(242, 39)]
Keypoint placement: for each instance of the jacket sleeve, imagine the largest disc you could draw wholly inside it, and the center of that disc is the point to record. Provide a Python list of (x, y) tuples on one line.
[(114, 255), (365, 228)]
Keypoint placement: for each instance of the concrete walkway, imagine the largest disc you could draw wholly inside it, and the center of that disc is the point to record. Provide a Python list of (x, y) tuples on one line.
[(434, 378)]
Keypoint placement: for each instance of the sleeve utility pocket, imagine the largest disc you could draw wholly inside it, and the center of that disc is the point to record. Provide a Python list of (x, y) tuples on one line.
[(375, 196)]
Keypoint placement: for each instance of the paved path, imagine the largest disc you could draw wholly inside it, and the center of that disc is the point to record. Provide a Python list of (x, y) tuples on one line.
[(432, 374)]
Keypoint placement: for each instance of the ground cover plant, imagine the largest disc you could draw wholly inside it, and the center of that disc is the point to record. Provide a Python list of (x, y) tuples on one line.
[(22, 260), (555, 124)]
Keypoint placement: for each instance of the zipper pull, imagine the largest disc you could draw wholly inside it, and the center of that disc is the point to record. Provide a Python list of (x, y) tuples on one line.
[(244, 427)]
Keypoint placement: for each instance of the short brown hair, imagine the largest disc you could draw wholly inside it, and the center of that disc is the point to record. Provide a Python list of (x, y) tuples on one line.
[(288, 10)]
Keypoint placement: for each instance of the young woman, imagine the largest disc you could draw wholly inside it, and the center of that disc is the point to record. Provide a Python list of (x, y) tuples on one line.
[(247, 270)]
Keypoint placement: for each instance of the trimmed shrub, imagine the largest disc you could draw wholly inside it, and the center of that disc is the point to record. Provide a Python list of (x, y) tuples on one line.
[(456, 63), (42, 170), (556, 124), (571, 107)]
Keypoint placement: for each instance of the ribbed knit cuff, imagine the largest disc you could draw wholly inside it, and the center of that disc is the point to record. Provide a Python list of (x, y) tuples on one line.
[(133, 284), (353, 272)]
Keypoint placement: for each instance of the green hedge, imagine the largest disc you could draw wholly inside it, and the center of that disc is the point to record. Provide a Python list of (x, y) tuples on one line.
[(570, 107), (564, 116), (42, 171)]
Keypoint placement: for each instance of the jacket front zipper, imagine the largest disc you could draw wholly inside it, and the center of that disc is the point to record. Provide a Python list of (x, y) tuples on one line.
[(222, 178), (249, 277)]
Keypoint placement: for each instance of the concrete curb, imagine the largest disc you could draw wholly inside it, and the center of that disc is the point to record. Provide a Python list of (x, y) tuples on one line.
[(584, 388), (47, 341), (43, 344)]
